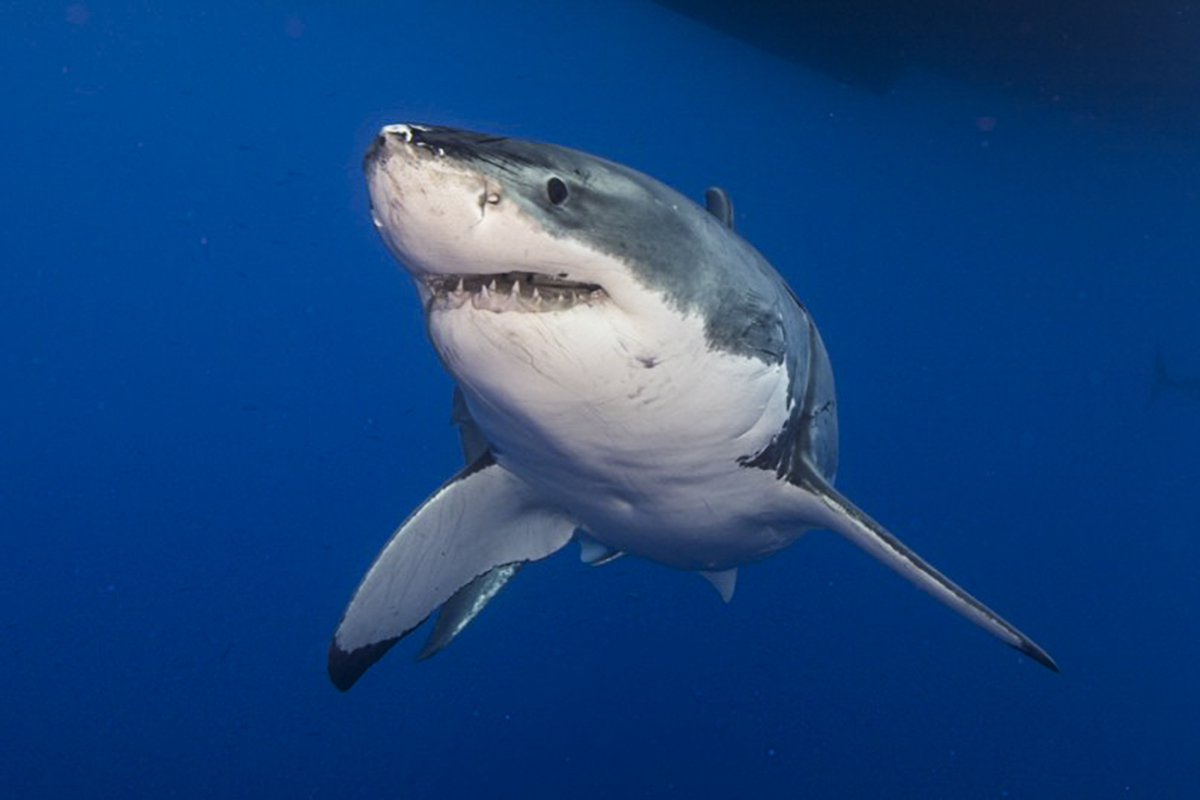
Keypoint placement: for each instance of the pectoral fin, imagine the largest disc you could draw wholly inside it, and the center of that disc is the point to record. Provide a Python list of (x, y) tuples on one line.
[(842, 516), (466, 604), (482, 518), (458, 612)]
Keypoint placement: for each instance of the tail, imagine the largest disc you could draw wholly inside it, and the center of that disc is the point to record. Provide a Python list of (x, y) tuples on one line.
[(1162, 379)]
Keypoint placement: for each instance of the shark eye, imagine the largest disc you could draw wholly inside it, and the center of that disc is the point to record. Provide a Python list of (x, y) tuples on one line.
[(556, 191)]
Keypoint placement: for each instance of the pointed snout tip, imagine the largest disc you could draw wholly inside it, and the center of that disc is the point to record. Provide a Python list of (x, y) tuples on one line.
[(404, 131), (390, 139)]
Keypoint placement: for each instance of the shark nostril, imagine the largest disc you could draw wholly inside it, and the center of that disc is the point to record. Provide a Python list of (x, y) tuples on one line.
[(489, 196)]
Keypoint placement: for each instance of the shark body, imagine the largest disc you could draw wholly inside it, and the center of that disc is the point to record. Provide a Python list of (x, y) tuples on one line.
[(628, 370)]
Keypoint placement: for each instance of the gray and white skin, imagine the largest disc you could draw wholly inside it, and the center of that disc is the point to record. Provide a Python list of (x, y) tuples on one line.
[(630, 372)]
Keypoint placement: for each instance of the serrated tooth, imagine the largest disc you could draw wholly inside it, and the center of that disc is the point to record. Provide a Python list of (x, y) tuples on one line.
[(461, 285), (483, 290), (492, 285), (516, 290)]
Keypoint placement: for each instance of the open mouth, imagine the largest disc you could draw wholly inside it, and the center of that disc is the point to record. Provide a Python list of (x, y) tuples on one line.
[(510, 291)]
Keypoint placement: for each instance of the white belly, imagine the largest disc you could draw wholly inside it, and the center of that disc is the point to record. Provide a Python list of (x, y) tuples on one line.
[(636, 436)]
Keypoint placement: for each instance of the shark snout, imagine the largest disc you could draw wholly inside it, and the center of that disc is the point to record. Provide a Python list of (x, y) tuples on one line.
[(375, 151), (391, 140)]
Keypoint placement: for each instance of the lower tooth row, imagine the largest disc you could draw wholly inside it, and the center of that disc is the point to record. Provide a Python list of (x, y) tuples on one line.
[(490, 297)]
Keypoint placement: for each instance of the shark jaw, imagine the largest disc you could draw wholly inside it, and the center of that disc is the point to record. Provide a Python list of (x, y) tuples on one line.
[(523, 292)]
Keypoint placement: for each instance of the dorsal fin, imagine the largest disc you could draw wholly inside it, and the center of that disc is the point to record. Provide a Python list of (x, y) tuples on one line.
[(719, 204)]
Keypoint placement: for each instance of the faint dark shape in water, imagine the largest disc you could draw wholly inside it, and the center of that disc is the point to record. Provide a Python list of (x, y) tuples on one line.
[(1136, 64), (1163, 381), (78, 14)]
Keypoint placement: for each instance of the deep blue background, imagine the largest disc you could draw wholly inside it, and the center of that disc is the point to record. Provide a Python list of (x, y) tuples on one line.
[(216, 400)]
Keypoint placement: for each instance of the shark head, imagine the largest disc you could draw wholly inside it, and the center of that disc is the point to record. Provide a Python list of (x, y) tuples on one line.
[(462, 210), (563, 290), (479, 222)]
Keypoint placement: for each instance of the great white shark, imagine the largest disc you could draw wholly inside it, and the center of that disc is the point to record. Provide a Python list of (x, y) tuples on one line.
[(629, 371)]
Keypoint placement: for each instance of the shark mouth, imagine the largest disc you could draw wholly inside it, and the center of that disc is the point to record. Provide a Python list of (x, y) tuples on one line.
[(509, 291)]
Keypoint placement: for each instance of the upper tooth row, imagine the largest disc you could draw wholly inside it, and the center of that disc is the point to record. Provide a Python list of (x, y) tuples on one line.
[(492, 287)]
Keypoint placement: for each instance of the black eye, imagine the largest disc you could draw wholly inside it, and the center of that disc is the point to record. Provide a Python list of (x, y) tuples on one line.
[(556, 190)]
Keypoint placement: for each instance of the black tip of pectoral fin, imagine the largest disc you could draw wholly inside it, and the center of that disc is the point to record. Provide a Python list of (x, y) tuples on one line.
[(346, 667), (1031, 649)]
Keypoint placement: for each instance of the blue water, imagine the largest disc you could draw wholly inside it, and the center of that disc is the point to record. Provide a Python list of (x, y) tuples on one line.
[(216, 400)]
